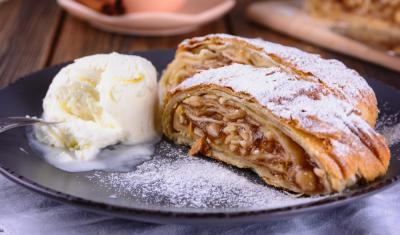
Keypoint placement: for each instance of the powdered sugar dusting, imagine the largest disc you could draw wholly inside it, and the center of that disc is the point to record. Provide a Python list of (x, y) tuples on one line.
[(283, 95), (389, 127), (172, 178), (331, 72), (392, 134)]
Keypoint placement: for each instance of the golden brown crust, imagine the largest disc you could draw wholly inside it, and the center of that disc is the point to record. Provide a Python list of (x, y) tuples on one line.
[(335, 147), (213, 51)]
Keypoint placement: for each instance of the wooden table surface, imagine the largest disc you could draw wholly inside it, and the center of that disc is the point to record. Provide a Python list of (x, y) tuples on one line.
[(37, 34)]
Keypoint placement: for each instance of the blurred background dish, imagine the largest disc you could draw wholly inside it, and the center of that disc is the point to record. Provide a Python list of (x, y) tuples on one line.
[(118, 7), (109, 7), (153, 5), (376, 23), (181, 17), (144, 32), (364, 36)]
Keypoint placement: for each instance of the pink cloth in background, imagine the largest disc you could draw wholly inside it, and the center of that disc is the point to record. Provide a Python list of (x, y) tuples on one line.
[(24, 212)]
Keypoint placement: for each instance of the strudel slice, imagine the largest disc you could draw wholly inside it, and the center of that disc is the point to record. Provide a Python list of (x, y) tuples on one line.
[(297, 134)]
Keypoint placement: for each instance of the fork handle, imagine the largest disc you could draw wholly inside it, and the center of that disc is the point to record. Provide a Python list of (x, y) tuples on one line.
[(7, 123)]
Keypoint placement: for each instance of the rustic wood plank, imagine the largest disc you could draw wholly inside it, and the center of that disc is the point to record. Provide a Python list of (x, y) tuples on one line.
[(240, 26), (78, 39), (27, 29)]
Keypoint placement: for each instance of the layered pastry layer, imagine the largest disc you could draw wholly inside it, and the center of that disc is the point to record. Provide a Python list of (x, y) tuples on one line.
[(294, 133), (214, 51)]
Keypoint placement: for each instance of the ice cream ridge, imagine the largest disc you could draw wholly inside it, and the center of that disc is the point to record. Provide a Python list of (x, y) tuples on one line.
[(101, 100)]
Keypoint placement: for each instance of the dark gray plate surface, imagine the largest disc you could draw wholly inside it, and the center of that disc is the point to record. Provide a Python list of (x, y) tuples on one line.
[(29, 170)]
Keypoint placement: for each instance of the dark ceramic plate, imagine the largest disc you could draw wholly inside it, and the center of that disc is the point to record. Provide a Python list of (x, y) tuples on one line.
[(28, 169)]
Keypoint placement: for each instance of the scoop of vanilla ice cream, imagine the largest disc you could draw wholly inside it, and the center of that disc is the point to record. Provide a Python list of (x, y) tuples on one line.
[(101, 100)]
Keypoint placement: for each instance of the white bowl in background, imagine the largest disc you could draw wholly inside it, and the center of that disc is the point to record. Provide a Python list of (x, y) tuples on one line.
[(192, 14)]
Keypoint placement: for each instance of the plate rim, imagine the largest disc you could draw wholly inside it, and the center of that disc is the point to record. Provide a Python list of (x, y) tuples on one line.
[(157, 214)]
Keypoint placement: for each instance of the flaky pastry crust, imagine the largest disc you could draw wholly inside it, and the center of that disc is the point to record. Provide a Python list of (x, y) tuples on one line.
[(214, 51), (295, 133)]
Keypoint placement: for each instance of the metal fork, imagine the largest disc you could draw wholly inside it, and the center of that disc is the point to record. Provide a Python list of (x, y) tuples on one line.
[(7, 123)]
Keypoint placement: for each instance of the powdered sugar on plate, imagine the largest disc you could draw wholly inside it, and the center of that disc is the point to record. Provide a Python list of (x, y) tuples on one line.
[(389, 127), (392, 134), (172, 178)]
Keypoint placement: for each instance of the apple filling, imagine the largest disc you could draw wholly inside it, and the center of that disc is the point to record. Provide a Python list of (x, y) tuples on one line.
[(212, 123)]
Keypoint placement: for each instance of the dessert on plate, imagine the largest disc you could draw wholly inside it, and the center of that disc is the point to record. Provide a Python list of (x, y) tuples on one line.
[(100, 100), (302, 123)]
